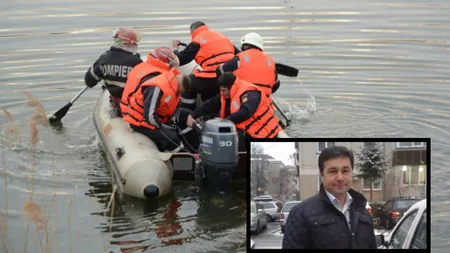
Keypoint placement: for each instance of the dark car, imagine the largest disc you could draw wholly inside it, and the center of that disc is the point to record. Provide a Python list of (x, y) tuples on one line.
[(394, 209)]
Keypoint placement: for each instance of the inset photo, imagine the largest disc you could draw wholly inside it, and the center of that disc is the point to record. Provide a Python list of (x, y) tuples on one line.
[(339, 194)]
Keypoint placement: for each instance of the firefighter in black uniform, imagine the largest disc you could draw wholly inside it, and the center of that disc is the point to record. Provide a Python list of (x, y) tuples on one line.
[(114, 65)]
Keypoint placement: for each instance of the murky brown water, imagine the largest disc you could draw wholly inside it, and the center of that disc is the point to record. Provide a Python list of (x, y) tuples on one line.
[(367, 69)]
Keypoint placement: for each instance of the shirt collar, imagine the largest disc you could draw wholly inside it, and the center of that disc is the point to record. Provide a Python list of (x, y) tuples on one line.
[(334, 200)]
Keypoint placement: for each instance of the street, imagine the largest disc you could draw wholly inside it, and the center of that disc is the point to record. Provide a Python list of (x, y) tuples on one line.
[(272, 238)]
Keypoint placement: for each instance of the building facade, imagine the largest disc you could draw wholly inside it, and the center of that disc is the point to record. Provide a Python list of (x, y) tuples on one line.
[(405, 174)]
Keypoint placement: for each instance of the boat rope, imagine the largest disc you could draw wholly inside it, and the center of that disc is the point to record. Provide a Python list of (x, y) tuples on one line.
[(187, 143)]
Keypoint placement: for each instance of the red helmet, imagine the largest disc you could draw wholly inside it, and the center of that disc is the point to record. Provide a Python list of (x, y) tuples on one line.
[(127, 33), (163, 54)]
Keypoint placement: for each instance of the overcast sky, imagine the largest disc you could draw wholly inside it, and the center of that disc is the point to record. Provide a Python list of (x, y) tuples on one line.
[(279, 150)]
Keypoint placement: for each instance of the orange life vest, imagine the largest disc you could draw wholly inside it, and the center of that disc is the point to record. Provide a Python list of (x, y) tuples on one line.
[(263, 123), (167, 105), (257, 68), (215, 49), (135, 76)]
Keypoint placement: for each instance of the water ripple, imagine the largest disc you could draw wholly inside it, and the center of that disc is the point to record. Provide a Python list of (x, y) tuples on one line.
[(367, 69)]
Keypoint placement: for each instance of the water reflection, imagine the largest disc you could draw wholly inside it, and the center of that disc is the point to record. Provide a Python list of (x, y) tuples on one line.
[(386, 71), (190, 214)]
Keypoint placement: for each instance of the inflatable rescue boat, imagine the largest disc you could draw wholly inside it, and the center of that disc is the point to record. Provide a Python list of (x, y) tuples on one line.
[(138, 167)]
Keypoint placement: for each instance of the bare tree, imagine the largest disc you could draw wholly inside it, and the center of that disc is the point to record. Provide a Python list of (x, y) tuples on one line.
[(282, 178), (259, 163)]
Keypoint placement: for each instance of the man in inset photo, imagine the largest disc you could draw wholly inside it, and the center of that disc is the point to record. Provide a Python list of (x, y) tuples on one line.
[(336, 217)]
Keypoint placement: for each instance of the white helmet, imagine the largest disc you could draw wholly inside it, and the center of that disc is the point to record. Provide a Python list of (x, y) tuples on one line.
[(253, 39)]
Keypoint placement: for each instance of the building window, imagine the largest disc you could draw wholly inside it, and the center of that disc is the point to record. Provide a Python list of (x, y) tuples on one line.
[(376, 184), (410, 144), (414, 175), (322, 145)]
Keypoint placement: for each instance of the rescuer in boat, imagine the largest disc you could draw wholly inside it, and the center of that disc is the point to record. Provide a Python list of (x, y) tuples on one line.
[(209, 49), (158, 61), (114, 65), (253, 65), (243, 103), (153, 107)]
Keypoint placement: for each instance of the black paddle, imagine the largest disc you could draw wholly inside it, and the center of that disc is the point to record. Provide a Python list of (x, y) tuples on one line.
[(286, 70), (62, 112), (288, 121), (282, 69)]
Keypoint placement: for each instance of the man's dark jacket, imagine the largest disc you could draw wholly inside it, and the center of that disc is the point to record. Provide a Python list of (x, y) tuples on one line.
[(316, 224)]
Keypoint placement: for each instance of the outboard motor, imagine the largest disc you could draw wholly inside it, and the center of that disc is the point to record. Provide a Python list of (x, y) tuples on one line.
[(219, 152)]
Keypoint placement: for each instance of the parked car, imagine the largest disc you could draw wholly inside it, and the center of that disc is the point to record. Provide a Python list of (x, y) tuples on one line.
[(268, 198), (285, 213), (279, 203), (258, 217), (252, 244), (410, 232), (272, 210), (263, 198), (394, 209), (271, 206)]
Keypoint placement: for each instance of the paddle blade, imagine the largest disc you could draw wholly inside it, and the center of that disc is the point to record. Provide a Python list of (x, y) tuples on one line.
[(60, 114), (284, 125), (286, 70)]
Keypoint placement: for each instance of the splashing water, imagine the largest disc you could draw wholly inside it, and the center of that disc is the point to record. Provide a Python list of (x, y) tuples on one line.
[(295, 113)]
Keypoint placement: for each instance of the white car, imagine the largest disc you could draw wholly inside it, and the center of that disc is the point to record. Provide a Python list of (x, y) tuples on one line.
[(252, 244), (410, 232), (271, 206), (258, 217), (263, 198), (288, 205)]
